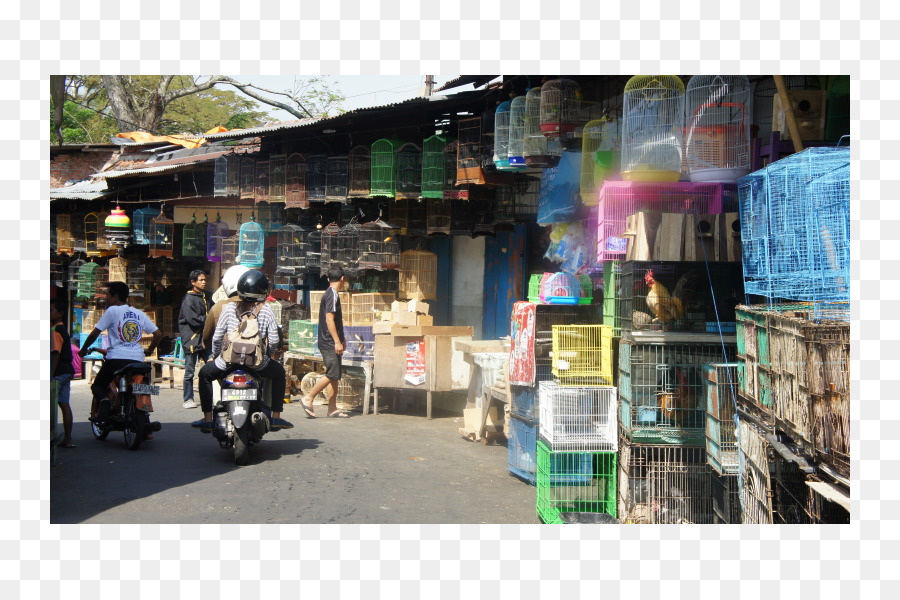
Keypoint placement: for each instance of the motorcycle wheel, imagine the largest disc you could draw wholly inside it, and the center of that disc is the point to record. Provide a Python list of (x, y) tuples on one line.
[(99, 432), (242, 445), (134, 425)]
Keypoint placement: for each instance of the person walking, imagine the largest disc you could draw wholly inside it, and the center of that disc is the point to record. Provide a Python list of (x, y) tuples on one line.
[(191, 319), (61, 369), (331, 345)]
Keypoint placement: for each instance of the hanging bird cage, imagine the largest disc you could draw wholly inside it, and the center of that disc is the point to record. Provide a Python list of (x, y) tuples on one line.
[(72, 274), (101, 281), (360, 166), (295, 174), (501, 139), (193, 238), (78, 232), (516, 150), (763, 99), (379, 246), (85, 279), (58, 274), (468, 158), (504, 205), (261, 182), (418, 275), (599, 156), (539, 152), (65, 241), (95, 241), (450, 152), (463, 211), (653, 121), (316, 177), (233, 187), (141, 224), (383, 157), (118, 228), (528, 191), (277, 178), (252, 246), (398, 210), (215, 233), (417, 217), (439, 220), (220, 177), (336, 178), (162, 236), (290, 263), (248, 178), (118, 268), (230, 251), (717, 131), (270, 216), (433, 164), (312, 250), (488, 128), (329, 250), (348, 247), (560, 107), (484, 214), (136, 279), (408, 172), (53, 245)]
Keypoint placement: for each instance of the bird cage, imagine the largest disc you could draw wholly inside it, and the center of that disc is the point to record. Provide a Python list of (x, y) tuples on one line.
[(85, 279), (366, 308), (516, 149), (504, 205), (165, 321), (290, 263), (539, 151), (439, 216), (261, 182), (559, 107), (101, 282), (488, 131), (348, 249), (162, 236), (581, 419), (383, 159), (329, 252), (838, 115), (337, 177), (463, 222), (58, 274), (582, 355), (717, 128), (408, 172), (379, 246), (484, 214), (433, 165), (468, 158), (398, 209), (141, 224), (233, 180), (230, 251), (78, 232), (95, 241), (72, 273), (501, 139), (652, 128), (575, 487), (295, 176), (451, 150), (277, 178), (316, 177), (220, 177), (599, 156), (193, 238), (65, 240), (721, 394), (360, 171), (136, 279), (418, 275), (528, 190), (215, 233), (248, 178), (313, 250), (118, 268), (252, 246), (270, 216), (763, 99), (417, 217), (118, 228)]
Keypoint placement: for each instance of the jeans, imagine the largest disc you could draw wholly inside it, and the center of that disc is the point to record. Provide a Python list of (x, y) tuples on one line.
[(190, 364), (273, 372), (64, 382)]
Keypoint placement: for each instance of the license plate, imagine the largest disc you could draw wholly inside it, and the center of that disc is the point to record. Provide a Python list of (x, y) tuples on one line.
[(143, 388), (248, 394)]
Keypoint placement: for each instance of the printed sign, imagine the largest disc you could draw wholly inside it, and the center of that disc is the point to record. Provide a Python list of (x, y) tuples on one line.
[(415, 362)]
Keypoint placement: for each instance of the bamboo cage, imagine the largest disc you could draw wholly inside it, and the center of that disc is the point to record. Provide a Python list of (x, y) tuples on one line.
[(220, 177), (439, 216), (248, 179), (360, 167), (270, 216), (417, 217), (366, 308), (162, 236), (316, 177), (233, 188), (347, 247), (215, 233), (504, 205), (450, 152), (277, 178), (193, 238), (72, 274), (118, 269), (230, 251), (136, 279), (58, 273), (379, 246), (261, 182), (418, 275), (337, 177), (95, 240), (295, 175), (398, 210), (383, 159), (408, 172), (315, 299), (468, 158), (65, 240)]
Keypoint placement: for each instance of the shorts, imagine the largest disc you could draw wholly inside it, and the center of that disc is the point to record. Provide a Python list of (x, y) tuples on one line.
[(332, 365), (65, 386)]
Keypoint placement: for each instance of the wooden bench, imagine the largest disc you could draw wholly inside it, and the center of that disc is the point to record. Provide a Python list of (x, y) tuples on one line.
[(161, 364)]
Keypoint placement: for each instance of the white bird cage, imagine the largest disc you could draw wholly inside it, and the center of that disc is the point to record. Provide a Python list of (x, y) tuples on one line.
[(248, 178), (277, 178), (599, 156), (560, 107), (501, 138), (220, 177), (360, 168), (717, 128), (72, 273), (652, 128), (136, 279), (540, 152), (578, 419), (193, 238), (118, 268), (418, 275), (162, 236), (295, 175), (252, 246), (215, 233), (313, 250), (516, 150), (379, 246)]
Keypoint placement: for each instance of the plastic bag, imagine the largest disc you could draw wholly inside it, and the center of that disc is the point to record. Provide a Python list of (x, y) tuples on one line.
[(560, 190)]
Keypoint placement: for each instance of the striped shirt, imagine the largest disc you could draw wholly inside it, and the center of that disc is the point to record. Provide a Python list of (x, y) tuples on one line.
[(229, 321)]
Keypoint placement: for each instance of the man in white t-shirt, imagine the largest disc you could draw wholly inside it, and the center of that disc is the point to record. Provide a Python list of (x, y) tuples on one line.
[(125, 326)]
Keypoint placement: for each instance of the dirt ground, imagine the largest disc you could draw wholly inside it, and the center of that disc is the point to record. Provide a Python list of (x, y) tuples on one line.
[(390, 468)]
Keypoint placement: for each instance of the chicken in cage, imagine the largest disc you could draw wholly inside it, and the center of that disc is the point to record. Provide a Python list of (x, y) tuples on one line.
[(379, 246), (360, 172), (418, 275), (296, 195), (277, 180), (717, 132), (162, 236)]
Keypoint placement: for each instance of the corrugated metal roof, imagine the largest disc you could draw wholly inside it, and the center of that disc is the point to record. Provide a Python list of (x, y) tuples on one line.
[(87, 189), (476, 80), (178, 159)]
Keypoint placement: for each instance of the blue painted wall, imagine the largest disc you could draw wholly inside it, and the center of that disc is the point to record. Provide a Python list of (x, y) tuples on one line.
[(504, 280)]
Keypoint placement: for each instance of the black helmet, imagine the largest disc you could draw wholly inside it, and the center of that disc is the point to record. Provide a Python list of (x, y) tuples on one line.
[(253, 286)]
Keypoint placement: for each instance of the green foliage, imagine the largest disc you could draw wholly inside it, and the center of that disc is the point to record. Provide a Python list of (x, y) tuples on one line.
[(207, 109), (318, 95), (83, 125)]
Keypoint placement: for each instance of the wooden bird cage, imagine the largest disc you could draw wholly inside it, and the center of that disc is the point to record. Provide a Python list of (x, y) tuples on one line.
[(433, 165), (418, 275), (463, 211), (360, 166), (295, 175), (230, 251), (215, 233), (95, 240), (516, 149), (652, 128), (504, 205), (468, 158), (193, 238), (383, 157), (599, 157), (484, 214), (261, 182), (252, 246), (379, 246), (118, 268), (316, 177), (450, 152), (336, 178), (233, 187), (439, 220), (85, 279), (162, 236), (398, 212), (501, 139), (141, 224), (559, 107), (366, 308), (248, 178), (328, 256), (312, 250), (101, 282), (290, 263), (65, 240), (717, 130), (270, 216), (417, 217), (408, 172), (136, 279), (58, 272), (528, 191), (72, 274), (220, 177), (277, 178), (78, 232), (539, 151), (348, 247)]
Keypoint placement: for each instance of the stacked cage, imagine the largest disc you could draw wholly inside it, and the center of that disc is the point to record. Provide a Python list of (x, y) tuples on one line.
[(337, 178), (290, 265), (366, 308), (652, 128), (379, 246), (295, 182), (721, 403)]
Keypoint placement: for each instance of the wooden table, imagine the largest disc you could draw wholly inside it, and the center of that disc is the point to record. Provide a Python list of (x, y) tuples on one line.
[(162, 363), (366, 365)]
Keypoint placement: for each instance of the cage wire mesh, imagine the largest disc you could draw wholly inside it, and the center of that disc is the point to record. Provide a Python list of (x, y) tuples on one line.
[(231, 251), (408, 172), (522, 450), (612, 294), (313, 250), (433, 164), (417, 217), (58, 271), (329, 248), (95, 241), (501, 138), (162, 236), (717, 132), (301, 336), (233, 176), (141, 224), (484, 214), (290, 263), (379, 246), (72, 273), (193, 238), (721, 437), (270, 216), (830, 236), (86, 274), (600, 154), (468, 159), (398, 209), (316, 177), (118, 269), (451, 150), (252, 244), (539, 151), (383, 164), (463, 212), (360, 171), (652, 128), (418, 275), (578, 419), (315, 299), (136, 279), (516, 148), (337, 178), (726, 500), (78, 238), (261, 182), (366, 308), (575, 487), (528, 191), (559, 107), (277, 178), (504, 205), (295, 180), (439, 216), (248, 179), (488, 129), (582, 355), (348, 250), (220, 177), (101, 281), (65, 239), (215, 233)]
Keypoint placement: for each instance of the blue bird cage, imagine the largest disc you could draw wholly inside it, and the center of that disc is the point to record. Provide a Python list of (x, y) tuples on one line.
[(215, 233), (141, 220), (252, 244)]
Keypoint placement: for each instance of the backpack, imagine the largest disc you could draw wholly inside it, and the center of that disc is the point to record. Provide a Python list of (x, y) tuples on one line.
[(245, 345)]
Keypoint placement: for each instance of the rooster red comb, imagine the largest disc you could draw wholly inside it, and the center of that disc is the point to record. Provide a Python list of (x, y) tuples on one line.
[(648, 276)]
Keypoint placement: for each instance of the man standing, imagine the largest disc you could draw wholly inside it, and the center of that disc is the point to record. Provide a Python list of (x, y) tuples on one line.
[(331, 345), (194, 308), (61, 368)]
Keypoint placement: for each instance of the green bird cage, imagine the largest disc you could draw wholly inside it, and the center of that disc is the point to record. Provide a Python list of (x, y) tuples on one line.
[(383, 159), (433, 164), (295, 176), (85, 279), (252, 245), (360, 168), (277, 178), (408, 172), (193, 238)]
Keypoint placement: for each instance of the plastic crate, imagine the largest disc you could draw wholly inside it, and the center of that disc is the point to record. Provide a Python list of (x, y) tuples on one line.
[(522, 450), (302, 336), (524, 401), (582, 355), (574, 482), (579, 419)]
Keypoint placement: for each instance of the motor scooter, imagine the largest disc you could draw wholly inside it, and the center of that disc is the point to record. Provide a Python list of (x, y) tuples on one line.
[(242, 416), (127, 407)]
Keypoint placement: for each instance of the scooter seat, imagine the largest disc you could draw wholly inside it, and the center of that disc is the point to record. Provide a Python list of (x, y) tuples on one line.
[(135, 368)]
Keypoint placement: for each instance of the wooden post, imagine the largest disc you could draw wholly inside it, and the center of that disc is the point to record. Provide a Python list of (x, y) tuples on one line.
[(789, 113)]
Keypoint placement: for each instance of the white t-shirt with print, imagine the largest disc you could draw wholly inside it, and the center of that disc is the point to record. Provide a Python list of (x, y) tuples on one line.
[(125, 325)]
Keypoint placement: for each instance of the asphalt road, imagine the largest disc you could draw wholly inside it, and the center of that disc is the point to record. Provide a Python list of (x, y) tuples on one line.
[(390, 468)]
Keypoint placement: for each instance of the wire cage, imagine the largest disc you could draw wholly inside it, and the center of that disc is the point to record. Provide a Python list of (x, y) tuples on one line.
[(612, 294), (291, 257), (360, 172), (141, 224), (754, 482), (72, 273), (398, 210), (484, 214), (575, 487), (95, 240), (233, 178), (578, 419), (522, 449), (417, 217), (504, 205), (231, 251), (261, 182), (439, 219), (662, 388), (85, 278), (193, 238), (366, 308), (560, 107), (270, 216), (347, 248), (329, 249), (527, 191), (451, 150), (620, 201), (215, 233), (277, 178), (58, 271), (316, 177), (434, 163), (600, 156), (582, 355), (101, 282), (313, 250), (383, 159), (764, 92), (721, 437), (679, 296), (418, 275), (469, 151), (559, 288), (516, 149), (301, 336), (525, 402), (652, 128), (664, 484), (408, 172), (539, 151), (220, 177), (463, 212), (718, 110), (726, 499), (118, 269), (248, 178), (162, 236), (65, 239), (337, 176), (379, 246), (136, 279), (78, 237), (295, 177), (252, 244), (501, 139)]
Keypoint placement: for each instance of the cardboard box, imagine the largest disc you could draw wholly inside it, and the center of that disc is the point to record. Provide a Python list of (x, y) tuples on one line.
[(412, 306), (404, 318)]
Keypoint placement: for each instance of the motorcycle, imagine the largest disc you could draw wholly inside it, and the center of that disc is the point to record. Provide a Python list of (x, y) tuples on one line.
[(241, 417), (128, 406)]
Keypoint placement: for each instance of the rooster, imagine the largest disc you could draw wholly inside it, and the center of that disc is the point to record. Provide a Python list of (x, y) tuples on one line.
[(671, 307)]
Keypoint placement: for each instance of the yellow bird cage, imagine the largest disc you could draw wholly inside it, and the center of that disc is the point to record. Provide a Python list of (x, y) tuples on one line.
[(65, 240), (582, 355), (418, 275), (315, 298), (95, 241), (118, 269)]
